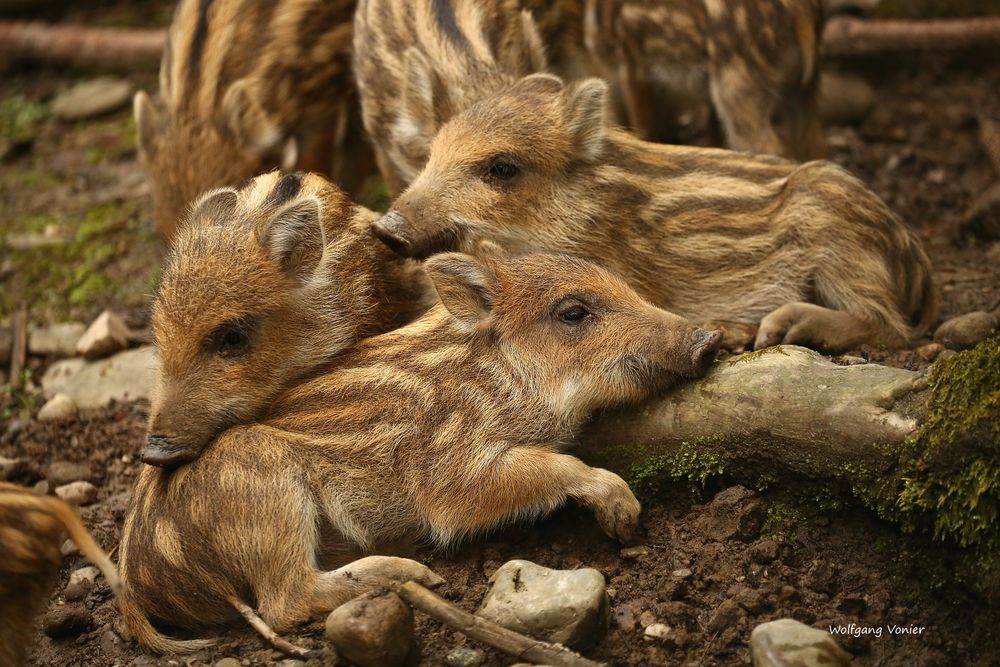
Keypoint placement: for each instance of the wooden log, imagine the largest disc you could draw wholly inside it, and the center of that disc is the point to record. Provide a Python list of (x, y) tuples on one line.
[(126, 48), (848, 36)]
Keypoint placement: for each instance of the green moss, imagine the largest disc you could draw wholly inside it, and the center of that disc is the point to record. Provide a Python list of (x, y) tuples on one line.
[(782, 520), (19, 119), (756, 354), (693, 462)]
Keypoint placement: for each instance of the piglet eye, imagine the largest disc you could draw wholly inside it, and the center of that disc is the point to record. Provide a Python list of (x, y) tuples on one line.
[(574, 314), (233, 342), (501, 169), (232, 339)]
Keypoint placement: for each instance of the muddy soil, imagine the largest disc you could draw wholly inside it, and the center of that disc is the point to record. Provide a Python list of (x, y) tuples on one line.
[(819, 563)]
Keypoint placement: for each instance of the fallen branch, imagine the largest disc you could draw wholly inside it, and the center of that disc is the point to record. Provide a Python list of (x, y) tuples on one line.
[(265, 631), (487, 632), (847, 36), (78, 45)]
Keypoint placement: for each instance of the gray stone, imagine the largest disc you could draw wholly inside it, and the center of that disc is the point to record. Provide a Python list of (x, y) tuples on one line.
[(59, 406), (81, 582), (64, 472), (92, 98), (128, 375), (462, 656), (106, 335), (966, 330), (372, 630), (228, 662), (786, 642), (57, 340), (656, 632), (77, 493), (69, 548), (569, 607)]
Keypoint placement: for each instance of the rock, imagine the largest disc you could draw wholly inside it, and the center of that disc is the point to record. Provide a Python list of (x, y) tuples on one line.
[(58, 340), (965, 331), (624, 615), (228, 662), (647, 618), (127, 375), (734, 513), (110, 642), (10, 468), (92, 98), (930, 351), (67, 621), (372, 630), (764, 552), (77, 493), (81, 582), (569, 607), (634, 552), (64, 472), (787, 642), (464, 657), (682, 573), (726, 616), (105, 335), (656, 632), (41, 487), (59, 406), (69, 548), (844, 99)]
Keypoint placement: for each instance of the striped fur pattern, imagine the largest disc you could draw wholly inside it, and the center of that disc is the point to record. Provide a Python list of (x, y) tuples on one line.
[(754, 61), (247, 86), (419, 62), (450, 426), (32, 528), (710, 234), (264, 284)]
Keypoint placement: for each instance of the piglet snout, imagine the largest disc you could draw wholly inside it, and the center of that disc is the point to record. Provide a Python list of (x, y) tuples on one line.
[(392, 230), (704, 345)]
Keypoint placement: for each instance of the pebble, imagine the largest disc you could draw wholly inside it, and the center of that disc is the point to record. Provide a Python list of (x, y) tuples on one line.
[(67, 621), (106, 335), (372, 630), (464, 657), (930, 351), (128, 375), (764, 552), (568, 607), (635, 552), (77, 493), (64, 472), (656, 632), (682, 573), (726, 616), (81, 582), (228, 662), (788, 642), (69, 548), (734, 513), (92, 98), (966, 330), (57, 340), (59, 406)]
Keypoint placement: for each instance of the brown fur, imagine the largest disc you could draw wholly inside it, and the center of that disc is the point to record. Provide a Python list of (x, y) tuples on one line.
[(419, 62), (706, 233), (446, 427), (31, 531), (264, 284), (755, 61), (246, 87)]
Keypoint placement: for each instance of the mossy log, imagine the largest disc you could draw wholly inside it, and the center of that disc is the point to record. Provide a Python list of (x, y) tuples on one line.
[(920, 449)]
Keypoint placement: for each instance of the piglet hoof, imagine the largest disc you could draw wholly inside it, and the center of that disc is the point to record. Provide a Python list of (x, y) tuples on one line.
[(387, 570), (615, 506)]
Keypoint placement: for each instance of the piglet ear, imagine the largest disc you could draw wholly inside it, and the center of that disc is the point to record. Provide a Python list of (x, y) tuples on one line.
[(417, 121), (539, 83), (465, 287), (213, 207), (252, 127), (587, 117), (294, 238), (148, 125)]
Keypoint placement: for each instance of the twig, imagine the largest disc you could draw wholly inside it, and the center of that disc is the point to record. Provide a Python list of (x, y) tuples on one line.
[(265, 631), (508, 641), (19, 348), (79, 45), (846, 36)]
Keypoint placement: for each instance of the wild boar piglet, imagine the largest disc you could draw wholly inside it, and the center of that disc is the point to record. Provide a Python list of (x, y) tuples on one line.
[(447, 427), (712, 235), (262, 285), (32, 528)]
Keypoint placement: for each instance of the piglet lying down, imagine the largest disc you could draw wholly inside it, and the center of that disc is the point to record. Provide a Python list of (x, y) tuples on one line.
[(449, 426)]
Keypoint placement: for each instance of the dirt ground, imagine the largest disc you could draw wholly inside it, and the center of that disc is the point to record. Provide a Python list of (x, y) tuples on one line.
[(821, 563)]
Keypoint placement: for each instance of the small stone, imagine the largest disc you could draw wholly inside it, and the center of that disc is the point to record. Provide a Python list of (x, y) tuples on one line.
[(682, 573), (92, 98), (734, 513), (77, 493), (647, 618), (372, 630), (64, 472), (764, 552), (568, 607), (635, 552), (110, 642), (725, 616), (106, 335), (10, 468), (850, 360), (624, 615), (788, 642), (58, 340), (41, 487), (59, 406), (81, 582), (126, 376), (464, 657), (930, 351), (656, 632), (966, 330), (844, 99), (66, 621), (228, 662), (69, 548), (87, 574)]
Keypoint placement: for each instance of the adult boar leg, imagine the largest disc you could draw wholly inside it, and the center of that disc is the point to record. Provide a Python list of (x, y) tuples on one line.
[(820, 328), (336, 587)]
